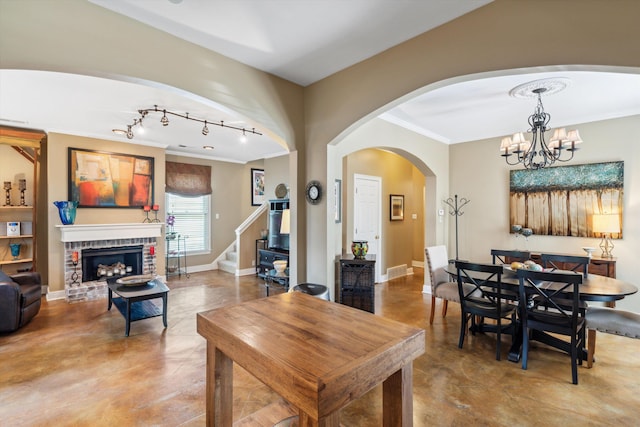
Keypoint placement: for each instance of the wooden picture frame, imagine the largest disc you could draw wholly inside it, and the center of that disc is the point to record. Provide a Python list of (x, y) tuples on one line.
[(101, 179), (396, 207), (257, 187)]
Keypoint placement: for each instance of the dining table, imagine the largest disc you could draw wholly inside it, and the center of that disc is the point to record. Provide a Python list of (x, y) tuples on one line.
[(594, 288), (316, 354)]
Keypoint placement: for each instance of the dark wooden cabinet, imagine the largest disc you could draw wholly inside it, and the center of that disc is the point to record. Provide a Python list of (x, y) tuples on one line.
[(266, 258), (600, 266), (357, 282)]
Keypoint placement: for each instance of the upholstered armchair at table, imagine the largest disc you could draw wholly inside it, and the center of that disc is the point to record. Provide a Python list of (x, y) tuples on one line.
[(442, 285), (20, 299)]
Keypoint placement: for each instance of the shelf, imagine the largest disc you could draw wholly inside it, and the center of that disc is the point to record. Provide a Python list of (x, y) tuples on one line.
[(17, 261), (22, 236), (16, 208)]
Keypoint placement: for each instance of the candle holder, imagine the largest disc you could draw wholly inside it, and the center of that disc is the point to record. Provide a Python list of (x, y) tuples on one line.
[(7, 189), (74, 275), (146, 211), (155, 209), (152, 259), (22, 186)]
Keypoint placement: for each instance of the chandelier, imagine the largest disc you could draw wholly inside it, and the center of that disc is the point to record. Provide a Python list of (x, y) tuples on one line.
[(165, 122), (537, 153)]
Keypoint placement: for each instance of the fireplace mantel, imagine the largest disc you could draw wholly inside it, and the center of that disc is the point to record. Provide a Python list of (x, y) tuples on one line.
[(91, 232)]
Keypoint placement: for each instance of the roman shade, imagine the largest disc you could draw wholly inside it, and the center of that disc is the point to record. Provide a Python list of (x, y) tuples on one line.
[(188, 180)]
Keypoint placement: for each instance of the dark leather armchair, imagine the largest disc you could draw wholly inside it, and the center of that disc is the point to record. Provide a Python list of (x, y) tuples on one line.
[(20, 299)]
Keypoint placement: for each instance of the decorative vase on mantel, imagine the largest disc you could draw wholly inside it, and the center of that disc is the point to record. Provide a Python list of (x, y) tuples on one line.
[(359, 249), (67, 211)]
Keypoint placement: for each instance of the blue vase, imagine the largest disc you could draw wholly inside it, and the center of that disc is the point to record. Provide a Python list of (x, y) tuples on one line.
[(15, 250), (67, 211)]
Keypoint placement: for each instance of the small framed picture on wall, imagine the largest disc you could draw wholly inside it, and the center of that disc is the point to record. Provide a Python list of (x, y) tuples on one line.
[(396, 207), (257, 187)]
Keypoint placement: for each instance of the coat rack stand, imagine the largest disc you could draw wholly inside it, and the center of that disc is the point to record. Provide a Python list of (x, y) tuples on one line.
[(456, 210)]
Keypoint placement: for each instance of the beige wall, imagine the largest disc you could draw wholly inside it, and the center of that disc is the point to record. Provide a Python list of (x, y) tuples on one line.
[(482, 176), (398, 176)]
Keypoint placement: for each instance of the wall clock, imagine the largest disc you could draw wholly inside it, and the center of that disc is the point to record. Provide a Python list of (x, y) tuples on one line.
[(314, 192)]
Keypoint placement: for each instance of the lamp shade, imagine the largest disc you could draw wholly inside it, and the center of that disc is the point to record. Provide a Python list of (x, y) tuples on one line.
[(285, 222), (606, 223)]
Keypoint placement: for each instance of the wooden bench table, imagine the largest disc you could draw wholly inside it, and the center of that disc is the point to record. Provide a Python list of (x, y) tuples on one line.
[(318, 355)]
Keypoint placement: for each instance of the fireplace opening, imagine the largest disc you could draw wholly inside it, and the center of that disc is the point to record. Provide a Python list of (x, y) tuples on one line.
[(94, 260)]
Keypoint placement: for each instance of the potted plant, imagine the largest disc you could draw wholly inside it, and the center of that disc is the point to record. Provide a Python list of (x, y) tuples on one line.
[(171, 234)]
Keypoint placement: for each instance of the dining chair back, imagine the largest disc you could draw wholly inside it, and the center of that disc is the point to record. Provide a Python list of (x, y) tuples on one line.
[(577, 263), (441, 284), (480, 290), (550, 302), (502, 256), (610, 321)]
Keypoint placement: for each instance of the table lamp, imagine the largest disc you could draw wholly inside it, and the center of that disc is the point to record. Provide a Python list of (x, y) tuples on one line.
[(285, 222), (606, 224)]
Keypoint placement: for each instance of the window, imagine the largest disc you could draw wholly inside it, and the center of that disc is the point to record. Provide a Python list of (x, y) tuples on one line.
[(191, 220)]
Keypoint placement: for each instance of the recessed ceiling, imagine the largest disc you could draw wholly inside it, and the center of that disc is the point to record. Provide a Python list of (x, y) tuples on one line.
[(301, 41)]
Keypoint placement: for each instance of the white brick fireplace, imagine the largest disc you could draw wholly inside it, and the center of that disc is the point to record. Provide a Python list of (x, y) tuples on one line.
[(98, 236)]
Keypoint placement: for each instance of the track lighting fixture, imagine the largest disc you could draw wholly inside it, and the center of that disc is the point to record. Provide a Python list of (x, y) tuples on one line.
[(165, 122)]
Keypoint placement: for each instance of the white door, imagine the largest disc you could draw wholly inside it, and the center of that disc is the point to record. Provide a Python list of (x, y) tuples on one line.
[(366, 224)]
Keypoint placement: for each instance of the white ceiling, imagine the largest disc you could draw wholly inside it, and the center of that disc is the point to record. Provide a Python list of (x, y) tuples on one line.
[(302, 41)]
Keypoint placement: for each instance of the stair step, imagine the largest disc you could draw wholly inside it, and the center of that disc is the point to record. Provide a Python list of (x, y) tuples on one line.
[(228, 266), (232, 256)]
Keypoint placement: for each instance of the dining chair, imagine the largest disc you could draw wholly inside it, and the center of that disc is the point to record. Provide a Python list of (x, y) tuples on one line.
[(550, 303), (505, 256), (483, 299), (441, 284), (610, 321), (575, 263)]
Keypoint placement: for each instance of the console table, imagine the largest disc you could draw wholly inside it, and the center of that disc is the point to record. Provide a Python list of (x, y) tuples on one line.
[(266, 258)]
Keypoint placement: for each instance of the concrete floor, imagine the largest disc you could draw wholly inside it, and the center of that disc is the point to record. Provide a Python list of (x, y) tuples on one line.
[(73, 366)]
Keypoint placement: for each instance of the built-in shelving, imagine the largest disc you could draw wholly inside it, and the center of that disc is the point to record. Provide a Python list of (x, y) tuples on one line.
[(21, 144)]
